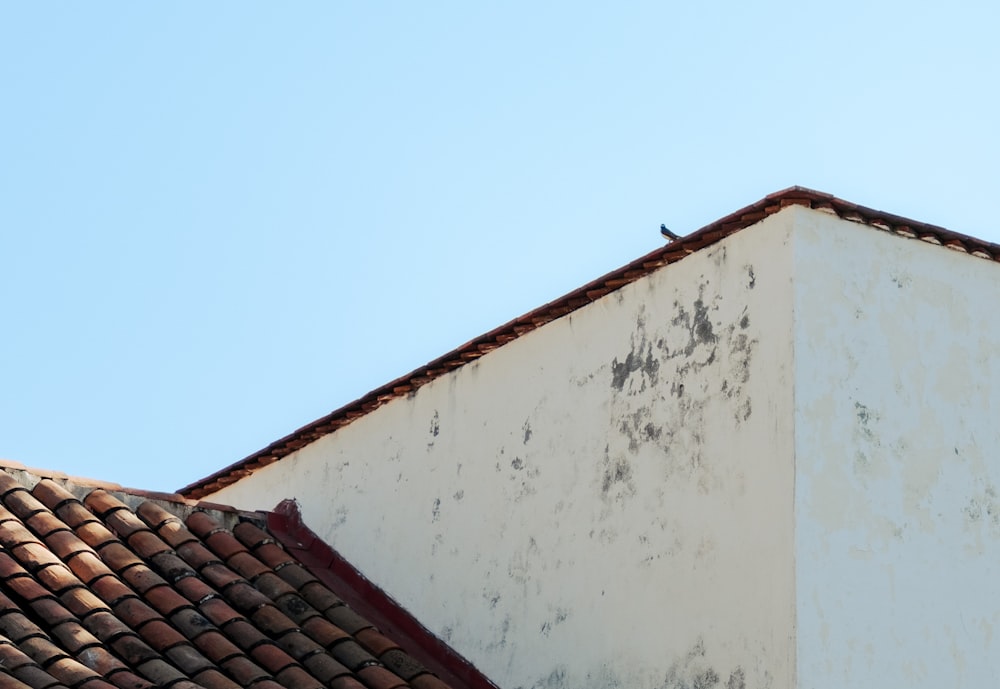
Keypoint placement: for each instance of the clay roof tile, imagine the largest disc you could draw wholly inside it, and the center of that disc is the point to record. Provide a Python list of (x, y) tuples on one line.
[(104, 594)]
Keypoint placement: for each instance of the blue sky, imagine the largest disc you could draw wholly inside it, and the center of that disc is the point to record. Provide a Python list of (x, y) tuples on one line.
[(219, 221)]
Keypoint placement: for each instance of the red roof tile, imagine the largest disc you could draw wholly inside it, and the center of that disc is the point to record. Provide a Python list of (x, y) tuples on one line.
[(670, 253), (116, 590)]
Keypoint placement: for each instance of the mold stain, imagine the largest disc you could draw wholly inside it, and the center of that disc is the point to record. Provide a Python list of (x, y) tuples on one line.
[(500, 640), (639, 428), (691, 671), (527, 431), (525, 476), (340, 517), (434, 430), (983, 509), (661, 390), (640, 359), (560, 616), (740, 354), (697, 323), (492, 597), (617, 482), (866, 440)]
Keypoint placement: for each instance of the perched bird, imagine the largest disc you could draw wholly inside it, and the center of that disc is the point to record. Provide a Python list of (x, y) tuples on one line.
[(671, 236)]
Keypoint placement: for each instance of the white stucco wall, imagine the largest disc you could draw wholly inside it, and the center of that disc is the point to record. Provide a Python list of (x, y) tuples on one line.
[(896, 439), (604, 502)]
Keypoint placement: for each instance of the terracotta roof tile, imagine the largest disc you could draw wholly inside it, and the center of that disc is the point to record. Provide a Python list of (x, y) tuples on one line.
[(197, 555), (324, 632), (166, 600), (295, 676), (269, 619), (346, 682), (402, 664), (352, 655), (212, 678), (194, 589), (216, 646), (324, 668), (100, 593), (375, 642), (427, 681)]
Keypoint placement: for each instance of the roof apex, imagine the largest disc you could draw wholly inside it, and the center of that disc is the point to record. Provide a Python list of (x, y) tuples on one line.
[(616, 279)]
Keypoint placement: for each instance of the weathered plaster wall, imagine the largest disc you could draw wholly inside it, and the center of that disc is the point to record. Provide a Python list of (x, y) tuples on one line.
[(604, 502), (898, 480)]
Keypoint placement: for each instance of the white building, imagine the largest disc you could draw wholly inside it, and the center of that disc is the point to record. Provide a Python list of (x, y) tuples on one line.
[(765, 455)]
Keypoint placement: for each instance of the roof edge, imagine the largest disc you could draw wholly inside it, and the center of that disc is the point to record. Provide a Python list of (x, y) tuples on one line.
[(592, 291), (370, 601), (80, 487)]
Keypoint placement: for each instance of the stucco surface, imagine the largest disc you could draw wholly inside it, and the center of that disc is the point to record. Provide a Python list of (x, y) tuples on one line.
[(604, 502), (897, 503)]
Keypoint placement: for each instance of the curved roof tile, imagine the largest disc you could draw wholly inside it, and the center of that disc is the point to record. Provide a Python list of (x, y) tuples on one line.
[(97, 592)]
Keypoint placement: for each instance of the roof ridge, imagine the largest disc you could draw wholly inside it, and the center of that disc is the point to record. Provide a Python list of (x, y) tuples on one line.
[(610, 282), (81, 486)]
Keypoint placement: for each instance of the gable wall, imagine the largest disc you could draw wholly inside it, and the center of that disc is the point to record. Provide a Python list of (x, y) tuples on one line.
[(897, 474), (604, 502)]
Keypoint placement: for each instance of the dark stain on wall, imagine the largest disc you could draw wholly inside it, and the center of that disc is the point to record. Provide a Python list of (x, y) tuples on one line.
[(867, 438), (616, 481), (668, 416), (640, 359), (501, 638), (737, 679), (523, 476), (984, 507), (493, 597), (691, 671), (558, 618), (696, 322), (636, 360)]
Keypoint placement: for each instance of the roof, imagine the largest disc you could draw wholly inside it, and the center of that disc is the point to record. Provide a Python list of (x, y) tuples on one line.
[(105, 587), (672, 252)]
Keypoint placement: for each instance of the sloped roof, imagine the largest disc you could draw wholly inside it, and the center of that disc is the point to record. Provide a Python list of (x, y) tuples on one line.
[(672, 252), (103, 587)]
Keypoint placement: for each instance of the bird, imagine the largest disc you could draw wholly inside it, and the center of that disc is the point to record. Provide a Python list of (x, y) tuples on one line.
[(671, 236)]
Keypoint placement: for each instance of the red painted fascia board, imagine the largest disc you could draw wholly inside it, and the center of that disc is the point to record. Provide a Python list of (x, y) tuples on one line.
[(370, 601)]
